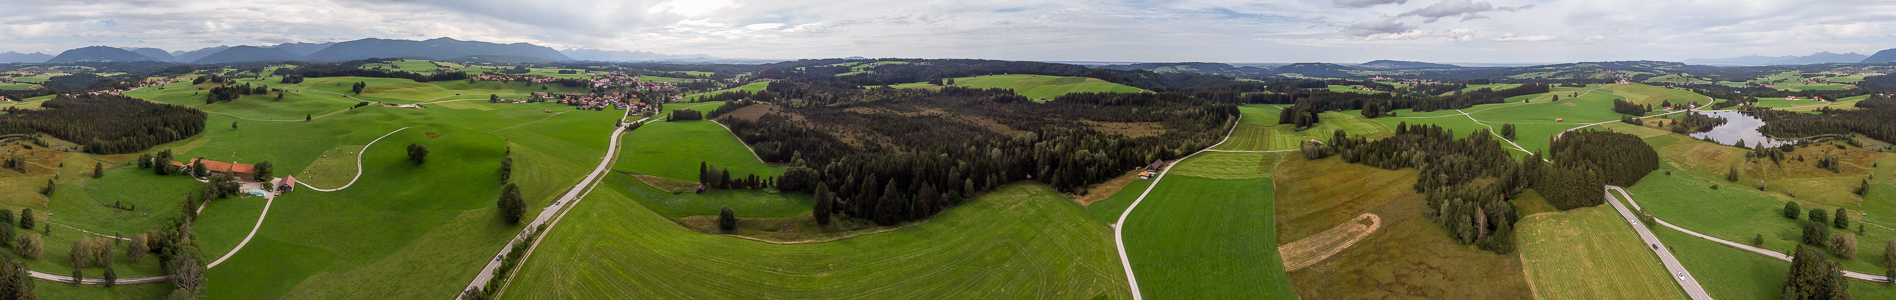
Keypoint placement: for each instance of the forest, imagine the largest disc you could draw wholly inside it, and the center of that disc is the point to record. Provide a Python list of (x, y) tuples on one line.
[(1584, 161), (1872, 119), (881, 150), (106, 124)]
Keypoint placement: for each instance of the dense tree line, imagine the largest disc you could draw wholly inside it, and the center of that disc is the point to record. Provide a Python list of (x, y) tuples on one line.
[(899, 168), (730, 106), (232, 92), (106, 124), (417, 77), (1474, 211), (1629, 108), (684, 115), (1871, 120), (1324, 100), (1584, 161), (715, 178)]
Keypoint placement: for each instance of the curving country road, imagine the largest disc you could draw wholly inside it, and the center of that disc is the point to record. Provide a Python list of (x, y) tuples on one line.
[(352, 181), (1674, 269), (1741, 246)]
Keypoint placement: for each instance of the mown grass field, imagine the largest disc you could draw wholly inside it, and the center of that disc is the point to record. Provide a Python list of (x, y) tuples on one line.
[(1037, 87), (1730, 273), (16, 86), (1252, 137), (746, 203), (1204, 238), (1023, 241), (1652, 95), (1591, 253), (1743, 213), (1408, 257), (675, 150)]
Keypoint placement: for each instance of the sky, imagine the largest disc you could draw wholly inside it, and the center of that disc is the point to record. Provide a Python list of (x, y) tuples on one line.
[(1338, 31)]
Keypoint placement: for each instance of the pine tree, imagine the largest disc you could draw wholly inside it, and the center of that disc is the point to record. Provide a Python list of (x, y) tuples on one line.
[(825, 202)]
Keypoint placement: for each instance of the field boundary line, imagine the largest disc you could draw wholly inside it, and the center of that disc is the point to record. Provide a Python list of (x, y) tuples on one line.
[(358, 176), (1119, 237)]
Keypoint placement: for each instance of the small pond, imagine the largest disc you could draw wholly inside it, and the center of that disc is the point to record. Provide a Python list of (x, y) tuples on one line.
[(1739, 126)]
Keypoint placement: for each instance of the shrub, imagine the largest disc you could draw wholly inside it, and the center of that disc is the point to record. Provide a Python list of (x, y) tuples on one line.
[(417, 153), (26, 218), (727, 219), (1816, 234), (1758, 241), (1818, 216), (1790, 208)]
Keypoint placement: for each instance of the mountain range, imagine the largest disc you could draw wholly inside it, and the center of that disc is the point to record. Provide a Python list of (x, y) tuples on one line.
[(1756, 60), (435, 49)]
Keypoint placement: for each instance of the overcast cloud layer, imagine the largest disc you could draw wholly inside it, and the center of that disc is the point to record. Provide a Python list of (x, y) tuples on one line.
[(1190, 30)]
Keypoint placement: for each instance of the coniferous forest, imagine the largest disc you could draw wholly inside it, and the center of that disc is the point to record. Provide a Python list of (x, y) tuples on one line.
[(894, 155), (1467, 181), (106, 124)]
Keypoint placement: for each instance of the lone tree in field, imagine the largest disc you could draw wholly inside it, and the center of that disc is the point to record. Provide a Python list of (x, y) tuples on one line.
[(98, 170), (26, 218), (1818, 216), (1732, 175), (826, 202), (493, 98), (111, 277), (1842, 219), (417, 153), (1811, 277), (50, 186), (512, 207), (727, 219), (1816, 234), (1844, 246), (1791, 210), (28, 246)]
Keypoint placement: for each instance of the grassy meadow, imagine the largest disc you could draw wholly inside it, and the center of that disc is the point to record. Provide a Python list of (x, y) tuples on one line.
[(1023, 241), (1202, 238), (1591, 253), (1044, 86)]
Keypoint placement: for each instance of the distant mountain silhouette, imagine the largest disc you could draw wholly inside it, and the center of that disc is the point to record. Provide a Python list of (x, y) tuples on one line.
[(194, 55), (97, 53), (247, 54), (302, 49), (1397, 64), (1182, 67), (1887, 55), (440, 48), (621, 55), (13, 57), (153, 53), (1755, 60)]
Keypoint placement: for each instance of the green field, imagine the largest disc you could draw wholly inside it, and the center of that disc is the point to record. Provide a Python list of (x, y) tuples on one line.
[(675, 149), (1023, 241), (16, 86), (752, 87), (1044, 86), (1743, 214), (1591, 253), (1202, 238), (1652, 95), (404, 230), (1730, 273)]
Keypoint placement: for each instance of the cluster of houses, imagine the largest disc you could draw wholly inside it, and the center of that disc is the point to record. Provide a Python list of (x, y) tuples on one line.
[(1794, 98), (503, 77), (588, 101)]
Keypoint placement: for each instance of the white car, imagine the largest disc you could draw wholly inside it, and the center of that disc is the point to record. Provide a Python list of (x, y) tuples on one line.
[(1681, 275)]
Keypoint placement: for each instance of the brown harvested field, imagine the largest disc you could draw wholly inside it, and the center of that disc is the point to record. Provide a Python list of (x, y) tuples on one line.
[(754, 111), (1409, 257), (1106, 189)]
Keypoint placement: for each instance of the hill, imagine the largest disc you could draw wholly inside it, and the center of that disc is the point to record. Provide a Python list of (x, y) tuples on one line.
[(302, 49), (13, 57), (440, 48), (194, 55), (1186, 67), (621, 55), (1314, 70), (97, 53), (1397, 64), (1887, 55), (247, 53), (1756, 60), (153, 53)]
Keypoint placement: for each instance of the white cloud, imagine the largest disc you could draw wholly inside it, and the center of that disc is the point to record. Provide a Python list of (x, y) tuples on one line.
[(1511, 37), (1107, 30)]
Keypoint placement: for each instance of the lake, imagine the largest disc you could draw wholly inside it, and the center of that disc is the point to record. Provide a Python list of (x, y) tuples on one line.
[(1738, 126)]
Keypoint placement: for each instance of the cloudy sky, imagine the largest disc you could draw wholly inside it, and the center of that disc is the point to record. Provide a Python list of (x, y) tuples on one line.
[(1347, 31)]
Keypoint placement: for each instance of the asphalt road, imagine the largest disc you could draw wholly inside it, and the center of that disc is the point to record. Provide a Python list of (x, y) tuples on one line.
[(1674, 270), (1765, 252)]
